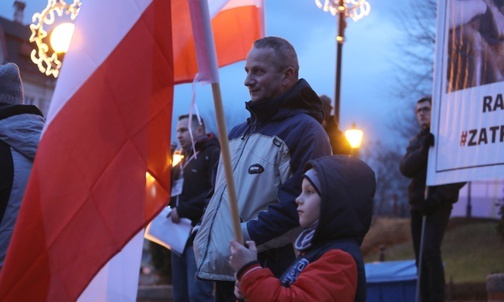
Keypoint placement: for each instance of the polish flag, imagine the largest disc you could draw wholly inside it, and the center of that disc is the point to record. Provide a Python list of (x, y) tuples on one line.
[(102, 170), (236, 25)]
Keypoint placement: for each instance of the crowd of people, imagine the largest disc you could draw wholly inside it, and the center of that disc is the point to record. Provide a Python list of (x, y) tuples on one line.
[(305, 205)]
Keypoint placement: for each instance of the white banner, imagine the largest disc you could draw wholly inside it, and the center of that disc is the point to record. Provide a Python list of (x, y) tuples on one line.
[(468, 106)]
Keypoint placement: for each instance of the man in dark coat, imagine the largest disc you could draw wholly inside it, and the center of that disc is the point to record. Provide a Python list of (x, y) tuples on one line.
[(191, 183), (339, 143), (436, 206)]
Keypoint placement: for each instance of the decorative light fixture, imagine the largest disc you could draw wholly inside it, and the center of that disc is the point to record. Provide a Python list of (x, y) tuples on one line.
[(47, 63), (354, 137), (355, 9)]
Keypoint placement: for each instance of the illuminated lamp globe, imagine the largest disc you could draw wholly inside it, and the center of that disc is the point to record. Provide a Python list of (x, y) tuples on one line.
[(61, 37), (354, 137)]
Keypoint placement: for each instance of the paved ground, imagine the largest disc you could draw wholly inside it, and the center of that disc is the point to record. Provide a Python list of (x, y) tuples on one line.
[(154, 293)]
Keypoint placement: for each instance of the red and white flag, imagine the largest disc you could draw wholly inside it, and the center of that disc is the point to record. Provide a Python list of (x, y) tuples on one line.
[(236, 25), (101, 171), (105, 140)]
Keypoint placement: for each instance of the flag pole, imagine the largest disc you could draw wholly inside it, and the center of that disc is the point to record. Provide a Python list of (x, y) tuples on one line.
[(207, 65), (226, 160)]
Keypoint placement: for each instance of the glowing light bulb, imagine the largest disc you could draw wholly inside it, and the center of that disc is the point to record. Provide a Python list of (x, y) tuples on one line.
[(61, 37), (354, 137)]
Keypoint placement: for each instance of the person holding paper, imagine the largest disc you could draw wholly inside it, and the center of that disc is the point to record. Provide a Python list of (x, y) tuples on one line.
[(191, 182), (436, 206), (268, 153)]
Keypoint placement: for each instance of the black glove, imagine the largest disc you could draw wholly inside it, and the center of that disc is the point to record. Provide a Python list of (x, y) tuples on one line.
[(428, 140), (430, 206)]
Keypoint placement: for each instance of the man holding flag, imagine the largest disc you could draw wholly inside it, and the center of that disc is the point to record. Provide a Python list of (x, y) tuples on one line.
[(268, 155)]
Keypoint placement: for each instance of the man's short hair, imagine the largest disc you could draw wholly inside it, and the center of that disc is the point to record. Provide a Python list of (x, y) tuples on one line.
[(284, 51), (195, 122), (427, 98)]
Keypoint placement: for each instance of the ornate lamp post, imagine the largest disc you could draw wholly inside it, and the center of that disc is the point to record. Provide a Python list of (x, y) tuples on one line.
[(48, 61), (355, 9)]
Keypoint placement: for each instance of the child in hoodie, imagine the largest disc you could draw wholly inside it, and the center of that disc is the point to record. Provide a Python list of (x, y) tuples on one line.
[(335, 208)]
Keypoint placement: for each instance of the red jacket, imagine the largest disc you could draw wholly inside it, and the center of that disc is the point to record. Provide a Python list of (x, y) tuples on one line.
[(333, 277)]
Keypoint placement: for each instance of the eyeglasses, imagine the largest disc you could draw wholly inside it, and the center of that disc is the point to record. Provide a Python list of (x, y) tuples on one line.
[(423, 109)]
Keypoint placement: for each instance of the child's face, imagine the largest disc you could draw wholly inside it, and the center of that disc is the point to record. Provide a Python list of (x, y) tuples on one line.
[(308, 204)]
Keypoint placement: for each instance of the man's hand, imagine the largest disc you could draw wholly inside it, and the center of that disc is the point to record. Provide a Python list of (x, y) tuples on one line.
[(241, 255), (174, 216), (428, 140)]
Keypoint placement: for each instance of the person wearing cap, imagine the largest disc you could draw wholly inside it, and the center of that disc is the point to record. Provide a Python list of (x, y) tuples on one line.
[(20, 129), (339, 143), (335, 208)]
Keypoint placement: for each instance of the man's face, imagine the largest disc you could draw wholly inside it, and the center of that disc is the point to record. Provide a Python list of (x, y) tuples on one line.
[(423, 113), (183, 135), (263, 80)]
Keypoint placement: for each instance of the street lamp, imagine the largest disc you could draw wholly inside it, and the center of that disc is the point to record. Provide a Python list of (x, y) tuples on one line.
[(355, 9), (354, 137), (47, 62), (61, 37)]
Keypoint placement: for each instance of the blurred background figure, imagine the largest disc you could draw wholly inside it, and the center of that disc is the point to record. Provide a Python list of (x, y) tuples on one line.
[(20, 129), (191, 183), (339, 143)]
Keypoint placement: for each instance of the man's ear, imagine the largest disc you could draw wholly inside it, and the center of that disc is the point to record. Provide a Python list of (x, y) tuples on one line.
[(200, 130), (288, 74)]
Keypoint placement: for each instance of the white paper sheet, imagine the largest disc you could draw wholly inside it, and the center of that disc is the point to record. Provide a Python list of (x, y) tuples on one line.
[(163, 231)]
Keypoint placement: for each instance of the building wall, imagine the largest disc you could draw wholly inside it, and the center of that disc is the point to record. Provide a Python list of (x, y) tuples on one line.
[(16, 48), (38, 95)]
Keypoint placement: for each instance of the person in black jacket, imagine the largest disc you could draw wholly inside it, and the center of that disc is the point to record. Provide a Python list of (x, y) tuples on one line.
[(339, 143), (436, 205), (191, 182)]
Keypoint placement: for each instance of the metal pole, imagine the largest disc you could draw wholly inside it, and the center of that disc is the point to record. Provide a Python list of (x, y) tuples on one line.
[(469, 206), (419, 273), (420, 256), (339, 40)]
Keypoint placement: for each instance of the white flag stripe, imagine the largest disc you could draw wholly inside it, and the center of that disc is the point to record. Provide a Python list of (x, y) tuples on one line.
[(215, 6), (237, 3), (118, 280), (92, 44)]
